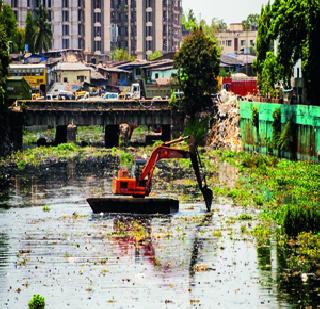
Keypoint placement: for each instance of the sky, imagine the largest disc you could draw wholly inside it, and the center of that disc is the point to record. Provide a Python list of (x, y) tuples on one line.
[(231, 11)]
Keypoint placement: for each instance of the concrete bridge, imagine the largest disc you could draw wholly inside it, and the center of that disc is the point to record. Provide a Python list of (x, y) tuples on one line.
[(65, 115)]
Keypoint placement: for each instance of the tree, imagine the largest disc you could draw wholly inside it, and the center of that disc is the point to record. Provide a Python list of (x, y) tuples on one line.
[(263, 39), (251, 23), (29, 31), (121, 55), (198, 66), (155, 55), (21, 39), (43, 34), (4, 63), (295, 25), (270, 75), (10, 25), (189, 22)]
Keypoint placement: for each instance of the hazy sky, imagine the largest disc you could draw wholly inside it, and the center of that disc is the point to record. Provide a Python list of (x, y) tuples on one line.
[(229, 10)]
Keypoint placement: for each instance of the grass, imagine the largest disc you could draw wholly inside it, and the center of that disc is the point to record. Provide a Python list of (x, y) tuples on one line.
[(47, 155), (92, 134)]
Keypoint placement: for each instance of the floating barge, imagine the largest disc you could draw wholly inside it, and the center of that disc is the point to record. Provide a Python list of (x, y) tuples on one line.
[(140, 206)]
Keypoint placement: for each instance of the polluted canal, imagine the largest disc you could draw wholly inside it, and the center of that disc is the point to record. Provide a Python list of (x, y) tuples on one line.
[(52, 245)]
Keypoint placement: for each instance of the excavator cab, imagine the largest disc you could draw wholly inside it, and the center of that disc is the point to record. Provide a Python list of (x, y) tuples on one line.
[(137, 167)]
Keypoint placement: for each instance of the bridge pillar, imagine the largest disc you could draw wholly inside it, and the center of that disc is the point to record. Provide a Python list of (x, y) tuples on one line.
[(61, 134), (111, 136), (16, 131), (71, 133), (166, 132)]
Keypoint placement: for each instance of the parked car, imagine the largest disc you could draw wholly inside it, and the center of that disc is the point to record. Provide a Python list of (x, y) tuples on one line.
[(111, 96)]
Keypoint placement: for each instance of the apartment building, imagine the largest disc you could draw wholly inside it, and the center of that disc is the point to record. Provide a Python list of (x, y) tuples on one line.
[(236, 40), (101, 26), (65, 16)]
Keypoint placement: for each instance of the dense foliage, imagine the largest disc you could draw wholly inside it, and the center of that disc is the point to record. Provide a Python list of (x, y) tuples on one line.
[(37, 302), (29, 31), (42, 38), (189, 23), (121, 55), (295, 26), (4, 63), (155, 55), (198, 66), (270, 75), (9, 22), (251, 23)]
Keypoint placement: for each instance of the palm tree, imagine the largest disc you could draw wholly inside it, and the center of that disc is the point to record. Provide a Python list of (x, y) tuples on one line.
[(42, 37)]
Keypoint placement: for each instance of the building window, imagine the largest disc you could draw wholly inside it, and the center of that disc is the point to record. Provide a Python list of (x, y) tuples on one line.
[(97, 17), (65, 3), (65, 16), (65, 43), (97, 4), (65, 79), (243, 42), (97, 46), (49, 3), (14, 3), (65, 30), (251, 42), (149, 31), (80, 43), (80, 31), (96, 31), (79, 15), (81, 78), (149, 16), (229, 42), (80, 3)]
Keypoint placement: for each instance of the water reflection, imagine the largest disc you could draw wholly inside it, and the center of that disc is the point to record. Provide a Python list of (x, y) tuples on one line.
[(134, 233)]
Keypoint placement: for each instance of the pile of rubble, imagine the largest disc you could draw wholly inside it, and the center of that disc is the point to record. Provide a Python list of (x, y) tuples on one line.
[(225, 132)]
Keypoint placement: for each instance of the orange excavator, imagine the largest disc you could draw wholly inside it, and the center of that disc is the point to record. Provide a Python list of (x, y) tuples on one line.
[(138, 183)]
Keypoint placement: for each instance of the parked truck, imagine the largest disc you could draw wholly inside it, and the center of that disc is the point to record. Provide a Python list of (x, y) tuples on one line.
[(240, 86)]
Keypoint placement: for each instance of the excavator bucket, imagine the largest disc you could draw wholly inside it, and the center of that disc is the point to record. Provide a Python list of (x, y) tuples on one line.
[(201, 179)]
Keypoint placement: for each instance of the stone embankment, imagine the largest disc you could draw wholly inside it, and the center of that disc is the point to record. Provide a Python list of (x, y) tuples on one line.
[(225, 132)]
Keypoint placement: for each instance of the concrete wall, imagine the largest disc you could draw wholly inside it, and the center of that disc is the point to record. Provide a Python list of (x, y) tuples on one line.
[(304, 137), (163, 74), (227, 39), (72, 76)]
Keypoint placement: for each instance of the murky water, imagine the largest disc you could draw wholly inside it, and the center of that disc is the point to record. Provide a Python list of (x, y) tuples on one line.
[(77, 260)]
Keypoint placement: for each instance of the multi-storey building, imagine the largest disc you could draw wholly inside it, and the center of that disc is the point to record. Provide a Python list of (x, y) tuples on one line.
[(65, 16), (236, 40), (101, 26)]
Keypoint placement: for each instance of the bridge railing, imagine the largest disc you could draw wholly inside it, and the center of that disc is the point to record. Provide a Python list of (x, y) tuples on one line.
[(90, 105)]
